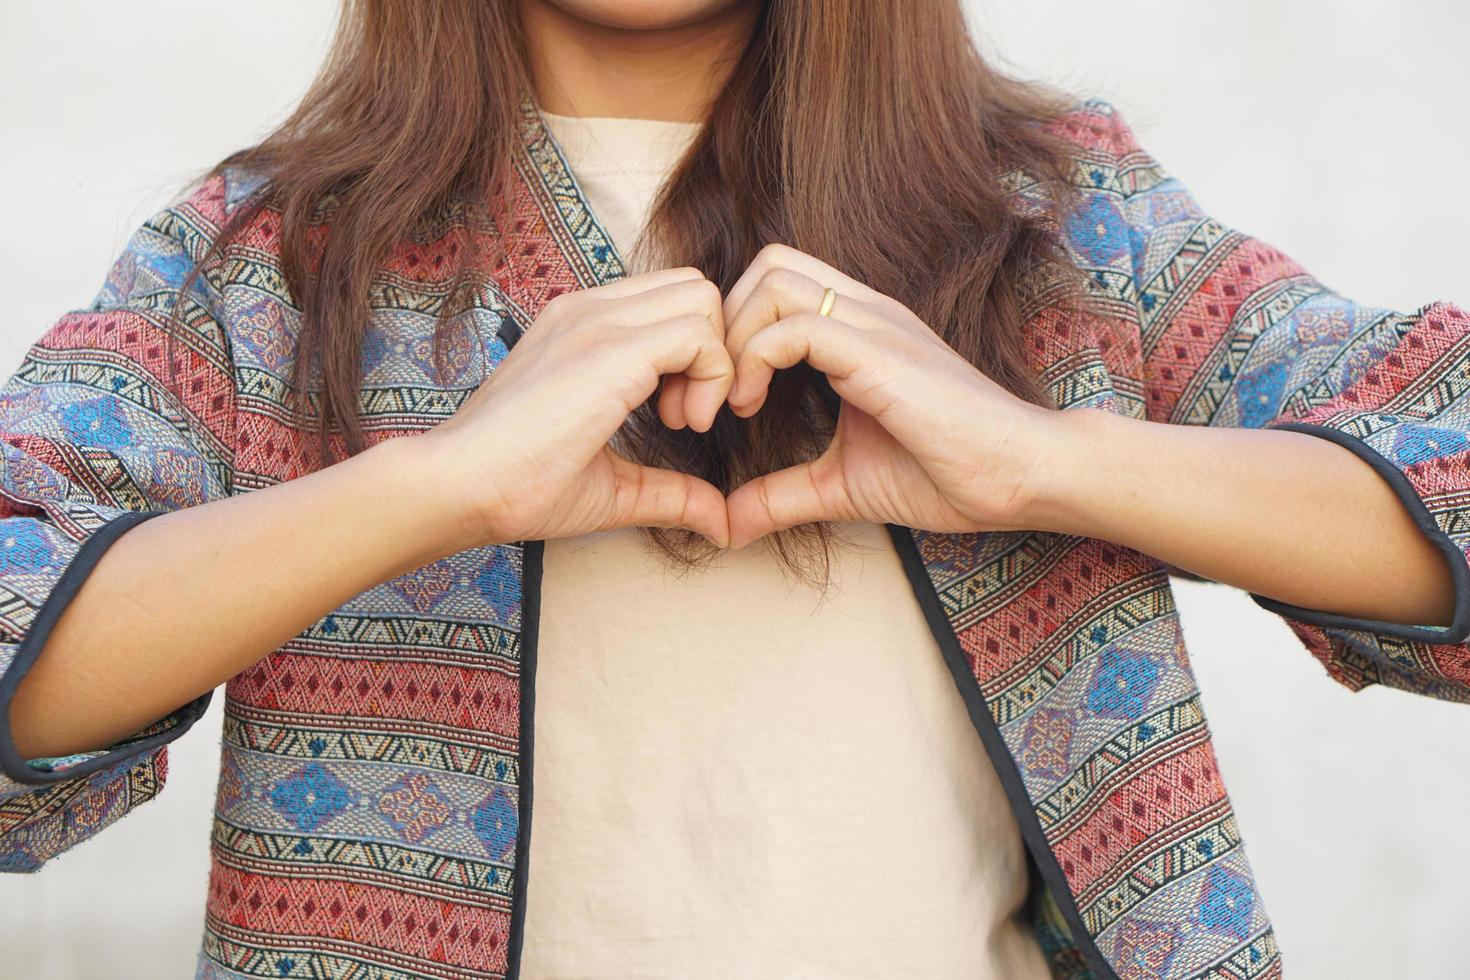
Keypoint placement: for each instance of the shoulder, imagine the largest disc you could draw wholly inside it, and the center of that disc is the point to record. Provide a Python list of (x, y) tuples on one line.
[(1094, 127), (225, 209), (184, 242), (197, 215), (219, 196), (1106, 153)]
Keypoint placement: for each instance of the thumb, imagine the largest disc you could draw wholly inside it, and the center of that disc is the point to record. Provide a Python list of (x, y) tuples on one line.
[(646, 496), (796, 495)]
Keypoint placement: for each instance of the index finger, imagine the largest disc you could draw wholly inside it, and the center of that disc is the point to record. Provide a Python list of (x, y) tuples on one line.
[(777, 256), (644, 281)]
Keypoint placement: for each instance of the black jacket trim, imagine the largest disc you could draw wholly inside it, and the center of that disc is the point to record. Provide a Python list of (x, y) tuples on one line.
[(531, 566), (1459, 628), (12, 763), (995, 747)]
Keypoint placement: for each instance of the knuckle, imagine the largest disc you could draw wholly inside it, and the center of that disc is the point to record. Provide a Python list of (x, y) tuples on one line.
[(709, 292), (782, 281), (698, 290), (759, 346), (704, 295), (558, 305), (684, 333), (714, 312), (773, 254), (702, 302)]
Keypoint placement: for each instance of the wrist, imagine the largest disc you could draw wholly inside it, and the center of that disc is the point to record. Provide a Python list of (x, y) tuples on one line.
[(1073, 452), (416, 483)]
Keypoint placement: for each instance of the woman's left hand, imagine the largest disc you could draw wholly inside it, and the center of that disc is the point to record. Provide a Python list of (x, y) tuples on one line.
[(923, 438)]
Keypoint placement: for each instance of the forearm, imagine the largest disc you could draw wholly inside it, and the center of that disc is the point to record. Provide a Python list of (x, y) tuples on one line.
[(1284, 514), (183, 602)]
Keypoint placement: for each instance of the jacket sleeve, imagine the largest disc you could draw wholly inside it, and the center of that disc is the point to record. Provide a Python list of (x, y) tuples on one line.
[(115, 415), (1234, 333)]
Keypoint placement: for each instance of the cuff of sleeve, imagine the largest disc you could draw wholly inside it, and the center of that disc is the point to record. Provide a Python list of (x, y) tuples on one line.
[(1459, 627), (54, 770)]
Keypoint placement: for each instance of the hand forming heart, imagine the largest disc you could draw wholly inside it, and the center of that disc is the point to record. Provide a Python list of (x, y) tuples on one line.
[(923, 438)]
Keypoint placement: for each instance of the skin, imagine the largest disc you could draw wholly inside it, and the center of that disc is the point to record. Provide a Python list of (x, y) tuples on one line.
[(923, 440)]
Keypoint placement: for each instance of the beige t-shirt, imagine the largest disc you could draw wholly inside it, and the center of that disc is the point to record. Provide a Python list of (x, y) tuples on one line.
[(735, 778)]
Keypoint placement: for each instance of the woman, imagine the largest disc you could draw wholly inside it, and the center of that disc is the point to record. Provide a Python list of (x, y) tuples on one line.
[(853, 655)]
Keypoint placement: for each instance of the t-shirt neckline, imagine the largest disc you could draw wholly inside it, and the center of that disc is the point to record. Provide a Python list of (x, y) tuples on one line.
[(617, 144)]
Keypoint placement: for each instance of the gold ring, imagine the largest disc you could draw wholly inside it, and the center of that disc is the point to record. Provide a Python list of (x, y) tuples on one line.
[(828, 298)]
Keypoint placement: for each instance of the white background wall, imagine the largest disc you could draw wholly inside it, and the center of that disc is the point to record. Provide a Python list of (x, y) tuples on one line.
[(1335, 130)]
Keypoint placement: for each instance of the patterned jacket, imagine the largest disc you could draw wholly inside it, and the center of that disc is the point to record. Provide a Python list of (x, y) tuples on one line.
[(374, 798)]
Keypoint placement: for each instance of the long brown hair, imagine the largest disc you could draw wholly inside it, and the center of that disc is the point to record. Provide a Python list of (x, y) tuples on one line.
[(884, 157)]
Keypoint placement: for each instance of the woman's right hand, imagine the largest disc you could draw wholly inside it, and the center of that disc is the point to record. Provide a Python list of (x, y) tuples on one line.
[(527, 457), (162, 617)]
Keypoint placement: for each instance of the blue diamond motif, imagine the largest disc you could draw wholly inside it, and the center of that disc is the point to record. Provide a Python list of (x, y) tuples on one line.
[(310, 796), (1258, 394), (1226, 903), (1097, 230), (1421, 443), (172, 267), (375, 347), (1123, 684), (499, 584), (24, 548), (495, 822), (97, 422)]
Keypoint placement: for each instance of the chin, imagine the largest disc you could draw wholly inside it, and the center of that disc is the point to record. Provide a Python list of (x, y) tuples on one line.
[(645, 15)]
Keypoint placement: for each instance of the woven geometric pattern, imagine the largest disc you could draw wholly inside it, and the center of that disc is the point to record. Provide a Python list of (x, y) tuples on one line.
[(369, 816)]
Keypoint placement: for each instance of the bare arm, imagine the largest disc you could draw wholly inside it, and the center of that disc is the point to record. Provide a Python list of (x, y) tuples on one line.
[(182, 602), (925, 440), (1284, 514)]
